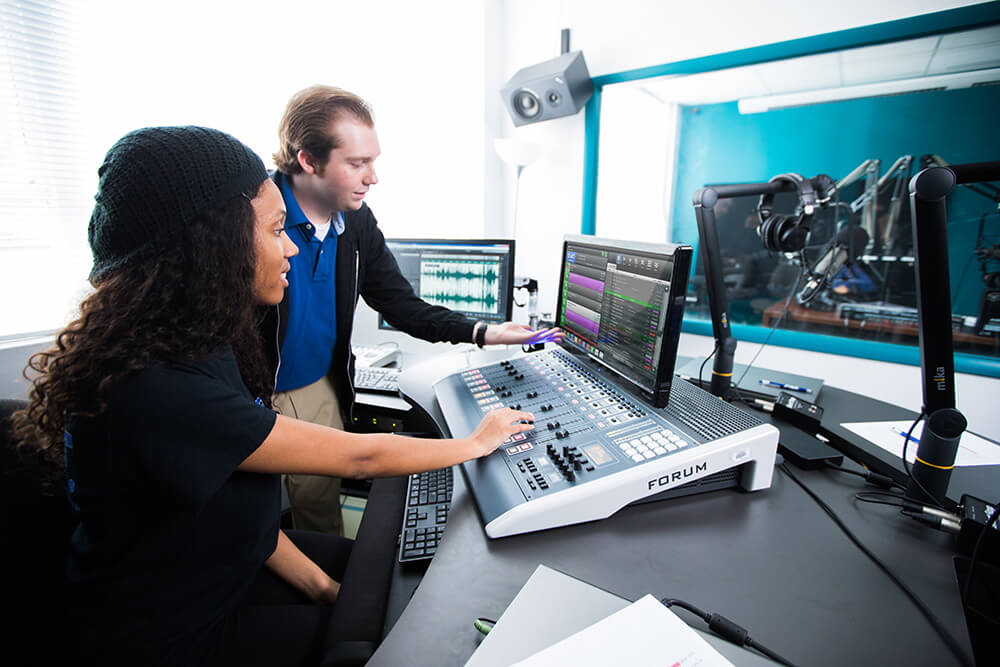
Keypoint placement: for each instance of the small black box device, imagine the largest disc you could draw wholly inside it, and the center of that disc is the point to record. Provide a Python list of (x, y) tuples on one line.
[(975, 514), (794, 410), (803, 449)]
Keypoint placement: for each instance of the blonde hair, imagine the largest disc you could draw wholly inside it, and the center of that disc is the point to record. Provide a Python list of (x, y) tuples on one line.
[(306, 124)]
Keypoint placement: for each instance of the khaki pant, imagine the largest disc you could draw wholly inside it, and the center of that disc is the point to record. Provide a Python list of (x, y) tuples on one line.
[(315, 499)]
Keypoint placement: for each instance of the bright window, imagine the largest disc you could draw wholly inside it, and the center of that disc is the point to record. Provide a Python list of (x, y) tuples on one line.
[(43, 168), (75, 76)]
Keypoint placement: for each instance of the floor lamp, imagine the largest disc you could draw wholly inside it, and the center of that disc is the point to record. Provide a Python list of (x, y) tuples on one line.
[(518, 154)]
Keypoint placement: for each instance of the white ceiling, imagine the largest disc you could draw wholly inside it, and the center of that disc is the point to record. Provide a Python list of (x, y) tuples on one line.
[(911, 59)]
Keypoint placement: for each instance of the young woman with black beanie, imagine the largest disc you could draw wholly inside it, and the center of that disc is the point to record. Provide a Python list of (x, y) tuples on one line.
[(153, 410)]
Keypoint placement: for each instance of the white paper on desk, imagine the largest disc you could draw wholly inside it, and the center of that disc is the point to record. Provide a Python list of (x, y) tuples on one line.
[(890, 436), (645, 633)]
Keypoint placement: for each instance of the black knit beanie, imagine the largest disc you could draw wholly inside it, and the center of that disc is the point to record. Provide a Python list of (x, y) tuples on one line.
[(156, 180)]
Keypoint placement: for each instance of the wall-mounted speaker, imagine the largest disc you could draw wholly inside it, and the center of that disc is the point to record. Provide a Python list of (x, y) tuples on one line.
[(554, 88)]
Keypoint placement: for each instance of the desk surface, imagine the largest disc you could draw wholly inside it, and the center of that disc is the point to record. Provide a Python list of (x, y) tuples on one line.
[(771, 561)]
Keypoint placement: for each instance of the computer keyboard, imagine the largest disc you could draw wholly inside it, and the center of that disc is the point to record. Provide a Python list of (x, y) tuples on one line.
[(378, 380), (428, 499)]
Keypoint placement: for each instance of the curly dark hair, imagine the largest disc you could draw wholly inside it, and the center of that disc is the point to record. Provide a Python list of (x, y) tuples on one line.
[(187, 301)]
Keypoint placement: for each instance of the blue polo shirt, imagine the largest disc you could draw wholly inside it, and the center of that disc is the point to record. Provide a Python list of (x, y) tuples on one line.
[(311, 331)]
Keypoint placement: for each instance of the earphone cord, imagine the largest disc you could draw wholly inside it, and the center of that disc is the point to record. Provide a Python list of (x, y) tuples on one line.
[(777, 323)]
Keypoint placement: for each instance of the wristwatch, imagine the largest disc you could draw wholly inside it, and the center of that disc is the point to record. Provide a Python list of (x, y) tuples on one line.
[(480, 333)]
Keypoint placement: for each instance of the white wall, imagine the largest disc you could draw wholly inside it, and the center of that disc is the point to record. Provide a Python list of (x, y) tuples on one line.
[(234, 65), (637, 33), (629, 34)]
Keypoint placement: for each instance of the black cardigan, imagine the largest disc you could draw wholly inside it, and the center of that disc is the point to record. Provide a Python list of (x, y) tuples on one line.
[(366, 268)]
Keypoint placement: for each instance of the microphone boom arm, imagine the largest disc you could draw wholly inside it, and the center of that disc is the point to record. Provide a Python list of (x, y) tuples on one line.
[(902, 165), (939, 440), (710, 258)]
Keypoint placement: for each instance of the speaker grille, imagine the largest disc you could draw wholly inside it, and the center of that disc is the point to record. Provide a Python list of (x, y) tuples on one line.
[(526, 104), (707, 415)]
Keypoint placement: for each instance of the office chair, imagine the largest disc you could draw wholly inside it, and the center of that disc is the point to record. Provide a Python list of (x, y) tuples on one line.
[(357, 624), (36, 525), (358, 620)]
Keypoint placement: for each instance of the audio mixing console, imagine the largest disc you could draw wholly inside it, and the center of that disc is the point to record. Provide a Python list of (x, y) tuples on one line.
[(595, 447)]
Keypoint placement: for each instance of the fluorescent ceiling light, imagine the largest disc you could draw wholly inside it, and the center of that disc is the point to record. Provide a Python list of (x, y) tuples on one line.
[(882, 88)]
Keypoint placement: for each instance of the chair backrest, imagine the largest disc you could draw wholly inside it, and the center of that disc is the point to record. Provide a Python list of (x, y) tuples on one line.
[(358, 619), (35, 524)]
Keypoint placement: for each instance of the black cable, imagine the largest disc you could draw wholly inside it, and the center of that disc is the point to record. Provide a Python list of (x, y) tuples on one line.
[(856, 473), (701, 370), (934, 517), (946, 637), (886, 497), (876, 497), (975, 553), (869, 476), (777, 323), (958, 285), (726, 629), (879, 498)]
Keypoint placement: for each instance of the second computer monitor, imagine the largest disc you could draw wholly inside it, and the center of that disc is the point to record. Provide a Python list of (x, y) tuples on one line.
[(621, 304), (474, 277)]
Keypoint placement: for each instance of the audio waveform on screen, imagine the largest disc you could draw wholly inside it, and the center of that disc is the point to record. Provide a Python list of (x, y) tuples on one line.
[(488, 273), (468, 285)]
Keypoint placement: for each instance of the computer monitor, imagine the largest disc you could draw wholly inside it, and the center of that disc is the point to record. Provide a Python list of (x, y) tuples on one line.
[(474, 277), (621, 303)]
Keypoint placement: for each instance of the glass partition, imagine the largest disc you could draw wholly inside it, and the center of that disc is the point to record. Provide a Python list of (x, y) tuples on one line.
[(869, 118)]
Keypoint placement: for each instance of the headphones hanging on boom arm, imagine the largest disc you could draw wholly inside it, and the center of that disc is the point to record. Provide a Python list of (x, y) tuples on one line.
[(781, 232)]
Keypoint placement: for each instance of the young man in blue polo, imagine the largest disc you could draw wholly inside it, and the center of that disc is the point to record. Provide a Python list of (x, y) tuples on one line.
[(325, 167)]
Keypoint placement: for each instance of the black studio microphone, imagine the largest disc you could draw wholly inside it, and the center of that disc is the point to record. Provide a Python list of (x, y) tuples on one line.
[(847, 246)]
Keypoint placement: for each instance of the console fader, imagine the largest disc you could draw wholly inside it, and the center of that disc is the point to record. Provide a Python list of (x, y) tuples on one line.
[(595, 447)]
